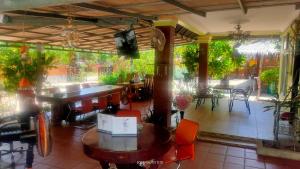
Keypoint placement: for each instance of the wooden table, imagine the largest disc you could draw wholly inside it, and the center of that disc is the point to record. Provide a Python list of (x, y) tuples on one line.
[(151, 143), (60, 100)]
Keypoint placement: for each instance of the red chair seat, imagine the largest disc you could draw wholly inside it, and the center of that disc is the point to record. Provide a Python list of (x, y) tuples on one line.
[(183, 148), (286, 116), (180, 153)]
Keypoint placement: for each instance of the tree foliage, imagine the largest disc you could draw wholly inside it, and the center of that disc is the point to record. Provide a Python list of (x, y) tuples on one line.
[(270, 76), (190, 57), (221, 60), (13, 67)]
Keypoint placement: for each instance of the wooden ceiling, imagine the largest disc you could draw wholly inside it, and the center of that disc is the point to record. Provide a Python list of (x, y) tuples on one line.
[(98, 21)]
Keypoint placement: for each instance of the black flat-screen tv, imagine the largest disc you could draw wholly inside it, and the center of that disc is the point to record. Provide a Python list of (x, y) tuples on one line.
[(126, 44)]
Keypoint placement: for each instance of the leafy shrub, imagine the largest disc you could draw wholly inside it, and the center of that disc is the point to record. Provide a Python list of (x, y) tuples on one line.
[(270, 76), (114, 78), (221, 60), (110, 79), (13, 67), (190, 58)]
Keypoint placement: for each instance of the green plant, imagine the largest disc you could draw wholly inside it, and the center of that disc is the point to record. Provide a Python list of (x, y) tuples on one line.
[(221, 61), (13, 67), (190, 56), (270, 76), (110, 79)]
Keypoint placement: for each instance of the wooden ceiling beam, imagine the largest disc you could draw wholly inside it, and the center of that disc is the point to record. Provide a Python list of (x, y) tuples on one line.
[(242, 6), (186, 8), (115, 11), (138, 5), (12, 5), (297, 6), (53, 15)]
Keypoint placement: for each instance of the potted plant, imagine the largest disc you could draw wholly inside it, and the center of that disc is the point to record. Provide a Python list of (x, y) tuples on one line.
[(270, 77)]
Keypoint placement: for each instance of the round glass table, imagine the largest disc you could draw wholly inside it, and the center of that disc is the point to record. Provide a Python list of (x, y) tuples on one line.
[(151, 143)]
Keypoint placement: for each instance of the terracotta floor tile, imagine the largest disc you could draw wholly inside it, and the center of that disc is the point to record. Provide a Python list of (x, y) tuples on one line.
[(86, 166), (234, 160), (233, 166), (273, 160), (250, 151), (247, 167), (218, 149), (253, 156), (212, 164), (254, 163), (215, 157), (236, 152), (274, 166)]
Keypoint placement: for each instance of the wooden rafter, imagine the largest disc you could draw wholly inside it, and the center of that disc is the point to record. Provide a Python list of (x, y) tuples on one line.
[(186, 8), (12, 5), (54, 16), (115, 11), (242, 6)]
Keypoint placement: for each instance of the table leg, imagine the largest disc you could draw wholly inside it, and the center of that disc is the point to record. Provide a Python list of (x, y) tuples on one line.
[(57, 113), (105, 165)]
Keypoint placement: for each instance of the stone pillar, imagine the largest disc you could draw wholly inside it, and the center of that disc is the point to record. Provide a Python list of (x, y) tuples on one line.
[(203, 61), (296, 68), (163, 74)]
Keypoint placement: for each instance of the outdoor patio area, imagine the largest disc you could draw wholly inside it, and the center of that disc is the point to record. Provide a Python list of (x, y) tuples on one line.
[(149, 84)]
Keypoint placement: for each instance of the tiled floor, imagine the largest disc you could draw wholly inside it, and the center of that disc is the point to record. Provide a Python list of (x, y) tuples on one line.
[(257, 125), (67, 154), (67, 149), (239, 122)]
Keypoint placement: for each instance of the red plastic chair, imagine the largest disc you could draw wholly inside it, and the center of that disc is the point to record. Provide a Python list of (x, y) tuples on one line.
[(85, 107), (130, 113), (183, 148)]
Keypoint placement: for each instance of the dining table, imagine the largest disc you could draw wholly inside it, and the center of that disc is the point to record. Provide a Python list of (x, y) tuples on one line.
[(60, 100), (134, 85), (128, 152)]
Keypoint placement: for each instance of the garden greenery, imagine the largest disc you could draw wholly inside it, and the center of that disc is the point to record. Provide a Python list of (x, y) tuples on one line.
[(221, 60), (13, 67), (270, 76)]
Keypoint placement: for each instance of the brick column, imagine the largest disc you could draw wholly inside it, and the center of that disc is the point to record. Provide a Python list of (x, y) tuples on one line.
[(203, 61), (163, 74)]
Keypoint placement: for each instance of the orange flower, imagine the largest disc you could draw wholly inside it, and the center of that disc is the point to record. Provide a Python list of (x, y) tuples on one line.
[(24, 83), (23, 49)]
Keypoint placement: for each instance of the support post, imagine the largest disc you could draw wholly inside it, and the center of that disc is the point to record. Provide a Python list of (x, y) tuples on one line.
[(296, 70), (163, 74), (203, 62)]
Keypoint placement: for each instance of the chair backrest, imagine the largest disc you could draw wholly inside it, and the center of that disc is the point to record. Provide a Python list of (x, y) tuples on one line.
[(130, 113), (102, 102), (186, 132), (87, 105)]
